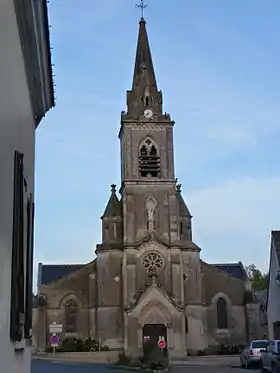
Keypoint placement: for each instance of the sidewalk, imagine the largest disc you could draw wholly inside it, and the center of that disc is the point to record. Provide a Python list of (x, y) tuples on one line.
[(216, 360)]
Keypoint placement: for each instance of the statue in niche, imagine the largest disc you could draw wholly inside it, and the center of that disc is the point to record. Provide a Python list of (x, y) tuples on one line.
[(151, 207)]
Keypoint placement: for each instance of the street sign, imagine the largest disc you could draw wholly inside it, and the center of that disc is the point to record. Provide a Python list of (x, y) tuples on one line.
[(54, 340), (55, 328), (161, 344)]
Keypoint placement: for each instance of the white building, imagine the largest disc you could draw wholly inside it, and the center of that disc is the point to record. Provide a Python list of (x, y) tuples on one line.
[(26, 94), (273, 301)]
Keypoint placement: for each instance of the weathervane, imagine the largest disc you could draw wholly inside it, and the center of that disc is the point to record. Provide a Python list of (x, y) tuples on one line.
[(142, 6)]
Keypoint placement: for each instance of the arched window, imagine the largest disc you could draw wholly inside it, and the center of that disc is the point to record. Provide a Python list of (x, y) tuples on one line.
[(149, 161), (222, 314), (186, 325), (71, 316)]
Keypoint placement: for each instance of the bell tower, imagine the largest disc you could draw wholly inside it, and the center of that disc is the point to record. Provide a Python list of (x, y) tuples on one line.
[(146, 133), (147, 156)]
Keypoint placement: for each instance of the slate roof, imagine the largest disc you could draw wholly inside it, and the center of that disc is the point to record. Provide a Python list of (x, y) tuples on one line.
[(183, 209), (51, 272), (143, 57), (276, 240), (114, 206), (233, 269)]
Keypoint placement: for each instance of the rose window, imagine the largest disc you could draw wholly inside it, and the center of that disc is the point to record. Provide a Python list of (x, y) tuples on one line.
[(152, 263)]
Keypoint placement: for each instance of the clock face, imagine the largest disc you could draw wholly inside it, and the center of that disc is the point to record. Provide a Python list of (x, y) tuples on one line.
[(148, 113)]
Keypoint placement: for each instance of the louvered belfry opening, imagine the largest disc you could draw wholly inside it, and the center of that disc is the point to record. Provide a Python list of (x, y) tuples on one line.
[(149, 161)]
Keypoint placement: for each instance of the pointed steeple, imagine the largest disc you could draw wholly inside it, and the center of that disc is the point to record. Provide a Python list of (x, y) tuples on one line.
[(144, 74), (114, 207), (144, 93), (183, 209)]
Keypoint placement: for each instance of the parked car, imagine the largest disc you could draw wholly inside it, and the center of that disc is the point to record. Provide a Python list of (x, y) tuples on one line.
[(270, 357), (251, 355)]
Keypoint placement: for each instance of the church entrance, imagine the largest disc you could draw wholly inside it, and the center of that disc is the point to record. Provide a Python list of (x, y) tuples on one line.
[(152, 334)]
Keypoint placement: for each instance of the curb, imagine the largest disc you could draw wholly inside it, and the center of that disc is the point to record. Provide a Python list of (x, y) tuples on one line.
[(135, 369), (70, 362), (200, 364)]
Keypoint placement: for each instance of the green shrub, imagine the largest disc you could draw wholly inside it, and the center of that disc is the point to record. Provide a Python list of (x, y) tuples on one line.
[(78, 345), (135, 363), (90, 345), (104, 348), (123, 359), (201, 353)]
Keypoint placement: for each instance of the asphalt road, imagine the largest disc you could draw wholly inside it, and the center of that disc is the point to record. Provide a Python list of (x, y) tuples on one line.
[(213, 369), (43, 366)]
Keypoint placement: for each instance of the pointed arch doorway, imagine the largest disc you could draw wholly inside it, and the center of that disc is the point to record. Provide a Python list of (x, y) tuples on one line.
[(152, 334)]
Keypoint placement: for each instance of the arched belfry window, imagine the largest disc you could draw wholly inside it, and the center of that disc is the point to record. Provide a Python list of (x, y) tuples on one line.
[(149, 161), (71, 316), (222, 314)]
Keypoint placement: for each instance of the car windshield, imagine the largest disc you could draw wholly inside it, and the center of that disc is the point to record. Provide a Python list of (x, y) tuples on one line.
[(259, 344)]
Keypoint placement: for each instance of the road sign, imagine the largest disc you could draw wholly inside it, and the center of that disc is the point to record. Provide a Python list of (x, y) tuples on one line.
[(54, 340), (161, 344), (55, 328)]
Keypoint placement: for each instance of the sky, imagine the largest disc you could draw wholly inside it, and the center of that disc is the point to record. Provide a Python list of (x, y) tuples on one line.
[(217, 63)]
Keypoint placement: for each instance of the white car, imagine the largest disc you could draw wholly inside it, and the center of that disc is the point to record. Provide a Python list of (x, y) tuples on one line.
[(251, 355)]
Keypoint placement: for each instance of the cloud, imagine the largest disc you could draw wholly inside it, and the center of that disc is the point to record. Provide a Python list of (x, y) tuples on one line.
[(232, 221)]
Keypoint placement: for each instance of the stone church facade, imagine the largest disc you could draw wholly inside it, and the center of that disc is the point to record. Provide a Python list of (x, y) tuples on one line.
[(147, 274)]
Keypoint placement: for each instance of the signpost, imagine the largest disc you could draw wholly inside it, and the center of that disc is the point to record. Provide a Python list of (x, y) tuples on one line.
[(54, 338)]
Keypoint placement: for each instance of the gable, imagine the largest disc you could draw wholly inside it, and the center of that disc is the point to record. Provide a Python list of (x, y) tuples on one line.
[(215, 281), (76, 284), (154, 299)]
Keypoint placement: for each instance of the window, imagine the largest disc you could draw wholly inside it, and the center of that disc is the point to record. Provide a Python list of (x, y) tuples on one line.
[(261, 344), (115, 229), (186, 325), (17, 316), (222, 316), (181, 228), (276, 330), (152, 263), (29, 269), (149, 161), (71, 316)]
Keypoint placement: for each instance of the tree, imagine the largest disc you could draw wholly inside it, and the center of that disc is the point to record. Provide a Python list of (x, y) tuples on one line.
[(259, 280)]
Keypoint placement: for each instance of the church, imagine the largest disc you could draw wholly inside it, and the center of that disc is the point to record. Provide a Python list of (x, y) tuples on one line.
[(147, 281)]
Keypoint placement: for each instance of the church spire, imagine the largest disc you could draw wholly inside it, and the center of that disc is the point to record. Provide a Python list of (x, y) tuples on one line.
[(144, 74), (144, 95)]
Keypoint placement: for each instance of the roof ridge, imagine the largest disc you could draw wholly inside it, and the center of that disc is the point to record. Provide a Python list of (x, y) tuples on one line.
[(227, 264), (64, 265)]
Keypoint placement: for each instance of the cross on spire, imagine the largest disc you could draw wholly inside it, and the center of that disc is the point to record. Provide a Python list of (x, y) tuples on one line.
[(142, 6)]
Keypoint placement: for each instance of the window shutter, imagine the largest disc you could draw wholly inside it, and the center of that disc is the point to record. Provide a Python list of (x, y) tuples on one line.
[(29, 269), (17, 316)]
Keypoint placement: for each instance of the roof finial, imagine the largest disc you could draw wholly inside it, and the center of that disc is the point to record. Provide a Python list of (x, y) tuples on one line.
[(178, 187), (113, 188), (142, 6)]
